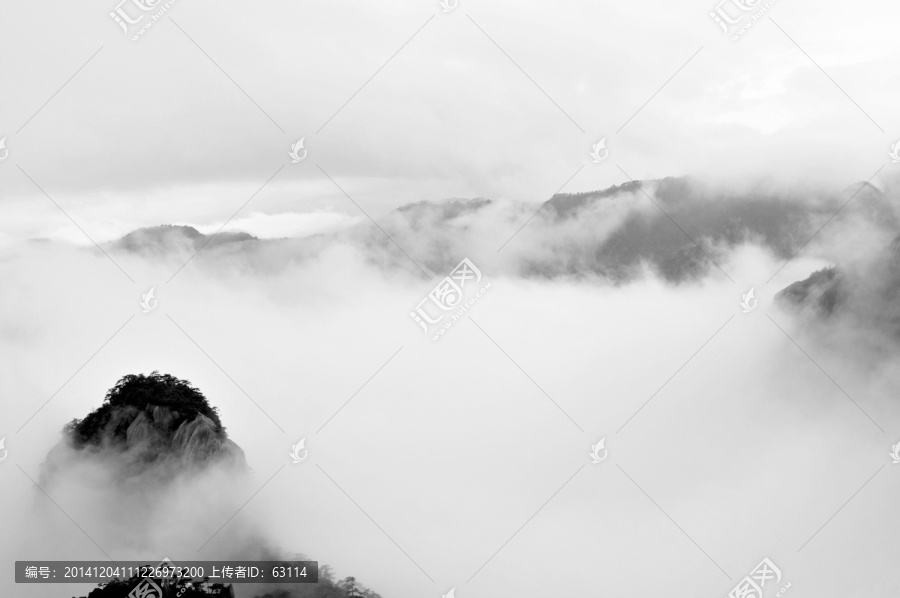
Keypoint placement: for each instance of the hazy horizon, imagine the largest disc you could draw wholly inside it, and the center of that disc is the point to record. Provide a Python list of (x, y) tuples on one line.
[(569, 299)]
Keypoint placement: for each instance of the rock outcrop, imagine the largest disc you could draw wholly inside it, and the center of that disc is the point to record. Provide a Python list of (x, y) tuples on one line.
[(151, 421)]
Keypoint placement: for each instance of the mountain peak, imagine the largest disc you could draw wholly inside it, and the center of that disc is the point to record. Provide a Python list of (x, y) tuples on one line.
[(153, 417), (156, 239)]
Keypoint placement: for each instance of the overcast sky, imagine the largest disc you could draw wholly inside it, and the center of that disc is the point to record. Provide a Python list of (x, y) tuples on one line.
[(399, 102), (451, 449)]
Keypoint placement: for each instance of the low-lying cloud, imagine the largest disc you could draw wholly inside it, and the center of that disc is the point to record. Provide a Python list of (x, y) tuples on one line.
[(425, 458)]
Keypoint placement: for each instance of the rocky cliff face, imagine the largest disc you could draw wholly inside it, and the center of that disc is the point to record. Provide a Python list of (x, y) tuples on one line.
[(152, 435)]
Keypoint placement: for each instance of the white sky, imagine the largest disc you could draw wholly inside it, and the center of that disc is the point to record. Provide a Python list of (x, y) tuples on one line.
[(152, 132), (750, 448)]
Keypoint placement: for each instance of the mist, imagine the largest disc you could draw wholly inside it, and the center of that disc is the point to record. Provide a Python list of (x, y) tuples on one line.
[(426, 457)]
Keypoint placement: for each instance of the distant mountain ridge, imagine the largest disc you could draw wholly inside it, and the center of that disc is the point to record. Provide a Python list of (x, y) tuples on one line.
[(823, 290), (675, 227), (869, 292), (171, 236)]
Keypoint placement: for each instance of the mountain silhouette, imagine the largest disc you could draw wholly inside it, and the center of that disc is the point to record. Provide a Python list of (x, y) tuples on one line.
[(157, 418), (170, 237), (824, 291), (154, 429), (867, 292), (677, 228)]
